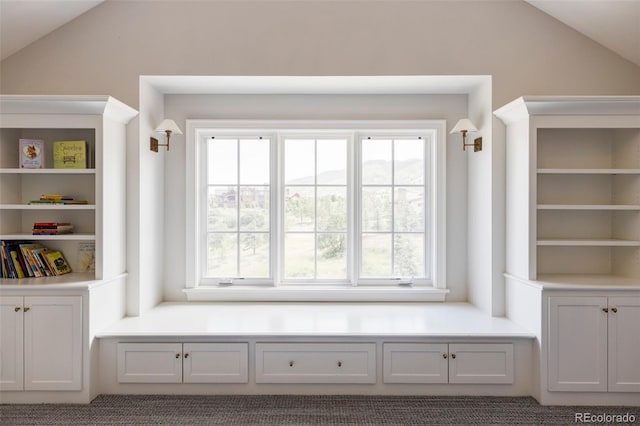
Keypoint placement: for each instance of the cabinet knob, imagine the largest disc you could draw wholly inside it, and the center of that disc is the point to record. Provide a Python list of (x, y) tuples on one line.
[(186, 355), (605, 309), (26, 309), (177, 356), (444, 356), (339, 363), (614, 310), (453, 356), (16, 309), (290, 363)]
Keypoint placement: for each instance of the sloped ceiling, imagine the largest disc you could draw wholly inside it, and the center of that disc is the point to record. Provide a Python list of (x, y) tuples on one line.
[(613, 23), (24, 21)]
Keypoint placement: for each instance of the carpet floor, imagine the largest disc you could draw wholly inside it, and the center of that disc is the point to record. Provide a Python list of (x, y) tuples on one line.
[(306, 410)]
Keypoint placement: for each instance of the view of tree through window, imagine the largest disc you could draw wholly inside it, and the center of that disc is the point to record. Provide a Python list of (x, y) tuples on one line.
[(238, 208), (348, 207), (315, 212), (393, 207)]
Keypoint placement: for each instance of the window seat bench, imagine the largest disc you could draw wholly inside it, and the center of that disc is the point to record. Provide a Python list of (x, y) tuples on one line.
[(316, 348)]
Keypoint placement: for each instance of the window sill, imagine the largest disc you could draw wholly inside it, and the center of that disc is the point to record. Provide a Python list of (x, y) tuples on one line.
[(316, 294)]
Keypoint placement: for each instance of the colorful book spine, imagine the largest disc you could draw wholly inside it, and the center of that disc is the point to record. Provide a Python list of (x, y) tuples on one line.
[(23, 259)]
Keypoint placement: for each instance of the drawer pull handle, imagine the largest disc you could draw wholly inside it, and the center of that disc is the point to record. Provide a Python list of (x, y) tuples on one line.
[(339, 363), (177, 356), (27, 309), (444, 356), (615, 310), (453, 356), (290, 363), (17, 308), (186, 355), (605, 309)]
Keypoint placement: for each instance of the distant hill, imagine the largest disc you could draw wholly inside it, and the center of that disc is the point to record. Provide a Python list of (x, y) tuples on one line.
[(408, 172)]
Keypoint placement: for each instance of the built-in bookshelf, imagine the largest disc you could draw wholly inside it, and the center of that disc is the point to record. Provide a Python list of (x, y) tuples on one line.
[(101, 122), (573, 188)]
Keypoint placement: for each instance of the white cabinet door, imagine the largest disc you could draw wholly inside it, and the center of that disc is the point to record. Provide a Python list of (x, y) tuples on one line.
[(216, 362), (53, 343), (577, 352), (416, 363), (481, 363), (624, 344), (150, 362), (11, 344)]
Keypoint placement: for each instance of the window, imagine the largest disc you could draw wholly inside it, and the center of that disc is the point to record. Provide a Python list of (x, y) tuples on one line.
[(336, 207)]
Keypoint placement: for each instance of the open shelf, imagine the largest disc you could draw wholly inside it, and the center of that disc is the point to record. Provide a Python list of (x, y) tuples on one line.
[(47, 206), (101, 122), (588, 207), (48, 171), (589, 242), (589, 171)]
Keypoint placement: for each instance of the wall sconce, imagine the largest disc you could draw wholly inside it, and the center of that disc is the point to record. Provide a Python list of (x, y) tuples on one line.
[(169, 127), (463, 126)]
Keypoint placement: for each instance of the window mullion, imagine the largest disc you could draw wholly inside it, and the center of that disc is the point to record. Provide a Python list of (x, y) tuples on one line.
[(277, 217), (238, 207), (393, 209), (315, 209), (353, 208)]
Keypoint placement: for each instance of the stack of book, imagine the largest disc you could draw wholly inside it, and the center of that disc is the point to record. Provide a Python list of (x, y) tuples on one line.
[(23, 259), (52, 228), (57, 199)]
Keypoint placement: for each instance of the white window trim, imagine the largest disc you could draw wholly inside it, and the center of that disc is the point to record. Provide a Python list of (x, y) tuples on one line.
[(196, 129)]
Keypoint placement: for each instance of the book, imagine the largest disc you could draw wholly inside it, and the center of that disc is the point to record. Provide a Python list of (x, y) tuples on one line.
[(58, 202), (51, 228), (33, 264), (86, 257), (55, 197), (58, 262), (31, 153), (70, 155), (49, 224), (38, 254), (16, 259), (24, 259)]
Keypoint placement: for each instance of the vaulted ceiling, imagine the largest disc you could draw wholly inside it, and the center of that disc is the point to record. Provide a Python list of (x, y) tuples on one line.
[(613, 23)]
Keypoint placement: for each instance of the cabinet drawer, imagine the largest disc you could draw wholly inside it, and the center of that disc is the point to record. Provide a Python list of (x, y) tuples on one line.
[(315, 363), (481, 363), (150, 362), (415, 363), (216, 362)]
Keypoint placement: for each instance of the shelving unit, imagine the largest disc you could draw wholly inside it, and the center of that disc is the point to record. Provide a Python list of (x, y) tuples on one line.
[(99, 120), (573, 173)]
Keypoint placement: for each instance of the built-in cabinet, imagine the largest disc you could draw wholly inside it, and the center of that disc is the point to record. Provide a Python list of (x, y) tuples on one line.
[(462, 363), (593, 344), (315, 363), (47, 323), (98, 120), (41, 346), (183, 363), (573, 240), (573, 188)]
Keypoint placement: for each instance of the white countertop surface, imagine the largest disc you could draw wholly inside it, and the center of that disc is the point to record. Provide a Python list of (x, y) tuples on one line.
[(315, 319)]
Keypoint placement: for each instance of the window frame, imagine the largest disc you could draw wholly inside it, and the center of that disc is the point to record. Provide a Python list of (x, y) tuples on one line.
[(358, 289)]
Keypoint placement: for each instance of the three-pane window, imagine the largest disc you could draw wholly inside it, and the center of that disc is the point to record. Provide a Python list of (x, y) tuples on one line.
[(300, 207)]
